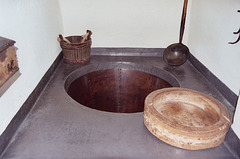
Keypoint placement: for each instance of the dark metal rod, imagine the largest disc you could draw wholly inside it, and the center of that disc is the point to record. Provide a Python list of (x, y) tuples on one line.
[(182, 27)]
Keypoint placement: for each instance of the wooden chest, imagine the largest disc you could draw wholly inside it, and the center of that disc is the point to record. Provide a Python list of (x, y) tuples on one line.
[(8, 61)]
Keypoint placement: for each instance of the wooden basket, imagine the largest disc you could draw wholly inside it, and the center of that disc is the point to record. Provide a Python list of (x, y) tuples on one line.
[(74, 50)]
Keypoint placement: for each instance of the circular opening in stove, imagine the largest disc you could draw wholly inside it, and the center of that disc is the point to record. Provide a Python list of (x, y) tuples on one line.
[(115, 90)]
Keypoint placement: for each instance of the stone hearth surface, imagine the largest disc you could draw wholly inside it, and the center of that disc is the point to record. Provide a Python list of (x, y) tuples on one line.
[(59, 127)]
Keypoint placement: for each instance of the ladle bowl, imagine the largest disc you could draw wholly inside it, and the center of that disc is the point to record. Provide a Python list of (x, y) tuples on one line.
[(176, 54)]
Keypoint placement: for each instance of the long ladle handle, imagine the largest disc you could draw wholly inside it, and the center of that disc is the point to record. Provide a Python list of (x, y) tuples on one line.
[(182, 27)]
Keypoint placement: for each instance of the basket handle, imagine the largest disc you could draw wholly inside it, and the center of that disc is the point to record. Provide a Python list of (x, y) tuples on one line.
[(89, 34), (63, 39)]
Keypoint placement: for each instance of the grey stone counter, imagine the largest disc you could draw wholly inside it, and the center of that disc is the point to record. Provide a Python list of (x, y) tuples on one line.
[(59, 127)]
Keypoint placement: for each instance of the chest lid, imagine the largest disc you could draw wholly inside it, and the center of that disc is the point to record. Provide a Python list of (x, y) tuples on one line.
[(5, 43)]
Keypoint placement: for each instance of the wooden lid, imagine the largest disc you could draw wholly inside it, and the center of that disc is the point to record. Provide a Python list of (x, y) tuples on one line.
[(186, 118), (5, 43)]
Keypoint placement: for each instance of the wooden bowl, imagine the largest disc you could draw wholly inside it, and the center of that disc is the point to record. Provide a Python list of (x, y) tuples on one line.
[(115, 90), (185, 118)]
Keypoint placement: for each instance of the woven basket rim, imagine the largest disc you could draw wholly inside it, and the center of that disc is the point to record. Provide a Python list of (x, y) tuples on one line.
[(75, 45), (64, 42)]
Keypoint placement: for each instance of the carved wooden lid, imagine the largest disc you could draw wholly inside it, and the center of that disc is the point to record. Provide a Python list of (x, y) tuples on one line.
[(186, 118), (5, 43)]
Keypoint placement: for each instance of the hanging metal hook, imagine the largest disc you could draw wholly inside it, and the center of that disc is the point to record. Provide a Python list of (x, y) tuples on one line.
[(238, 39), (237, 32)]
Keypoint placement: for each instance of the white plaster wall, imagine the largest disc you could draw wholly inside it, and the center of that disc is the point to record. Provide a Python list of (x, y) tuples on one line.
[(124, 23), (34, 25), (212, 24)]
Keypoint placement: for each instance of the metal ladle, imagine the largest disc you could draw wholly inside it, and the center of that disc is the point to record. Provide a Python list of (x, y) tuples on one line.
[(177, 53)]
